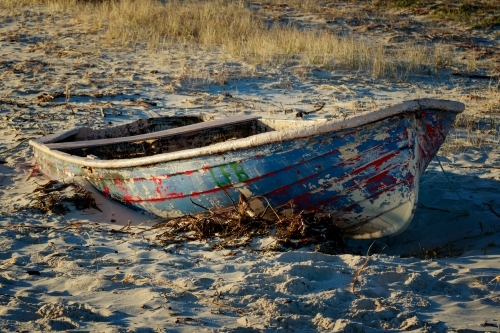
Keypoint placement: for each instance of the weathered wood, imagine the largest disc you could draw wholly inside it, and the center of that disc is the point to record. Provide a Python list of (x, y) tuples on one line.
[(161, 134), (363, 171)]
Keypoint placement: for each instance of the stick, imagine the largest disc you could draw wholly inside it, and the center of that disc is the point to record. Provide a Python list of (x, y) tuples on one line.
[(491, 208), (360, 270), (198, 295), (23, 141)]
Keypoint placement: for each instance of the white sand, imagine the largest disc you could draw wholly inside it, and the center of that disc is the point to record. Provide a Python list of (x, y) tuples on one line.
[(100, 276)]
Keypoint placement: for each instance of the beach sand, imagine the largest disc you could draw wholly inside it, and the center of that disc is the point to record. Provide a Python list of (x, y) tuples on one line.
[(105, 271)]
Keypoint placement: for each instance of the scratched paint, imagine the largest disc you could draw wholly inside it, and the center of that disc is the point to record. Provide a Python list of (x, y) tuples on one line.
[(366, 177)]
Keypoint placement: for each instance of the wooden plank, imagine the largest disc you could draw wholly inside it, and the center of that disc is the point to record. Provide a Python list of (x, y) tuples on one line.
[(155, 135)]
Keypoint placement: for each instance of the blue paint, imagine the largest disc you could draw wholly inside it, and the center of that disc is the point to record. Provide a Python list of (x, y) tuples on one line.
[(312, 174)]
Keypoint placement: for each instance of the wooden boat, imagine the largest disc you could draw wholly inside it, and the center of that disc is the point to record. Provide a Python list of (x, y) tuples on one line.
[(363, 170)]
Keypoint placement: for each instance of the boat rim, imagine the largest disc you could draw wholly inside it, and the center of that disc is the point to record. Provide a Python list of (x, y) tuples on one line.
[(316, 127)]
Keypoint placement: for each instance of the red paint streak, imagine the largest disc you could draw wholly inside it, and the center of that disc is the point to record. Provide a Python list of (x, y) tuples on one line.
[(128, 198), (377, 194), (189, 172), (167, 196), (366, 182), (249, 181), (350, 133), (377, 163), (206, 168), (157, 190), (106, 191), (215, 190), (158, 181), (285, 188), (119, 183), (382, 190), (429, 142), (379, 181), (148, 200), (356, 158), (173, 195)]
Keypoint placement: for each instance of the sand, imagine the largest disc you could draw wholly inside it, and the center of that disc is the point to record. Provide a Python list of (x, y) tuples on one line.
[(105, 271)]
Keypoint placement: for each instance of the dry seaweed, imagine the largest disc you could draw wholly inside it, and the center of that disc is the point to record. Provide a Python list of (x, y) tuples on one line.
[(237, 228), (51, 196), (234, 228)]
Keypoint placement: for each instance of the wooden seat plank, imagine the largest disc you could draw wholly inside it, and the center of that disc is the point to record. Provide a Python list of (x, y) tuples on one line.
[(155, 135)]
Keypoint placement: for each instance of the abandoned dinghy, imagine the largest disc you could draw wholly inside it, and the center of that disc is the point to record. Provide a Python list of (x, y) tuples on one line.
[(363, 171)]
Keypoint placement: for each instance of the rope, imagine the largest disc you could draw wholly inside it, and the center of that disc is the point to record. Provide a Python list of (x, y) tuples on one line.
[(452, 184)]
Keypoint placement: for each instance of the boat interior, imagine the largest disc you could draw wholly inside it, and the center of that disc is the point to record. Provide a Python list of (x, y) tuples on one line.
[(147, 137)]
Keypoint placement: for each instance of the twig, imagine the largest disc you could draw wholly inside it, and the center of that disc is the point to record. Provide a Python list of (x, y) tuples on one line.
[(360, 270), (167, 283), (491, 208), (268, 206), (205, 208), (194, 203), (479, 167), (127, 227), (302, 113), (234, 204), (489, 324), (23, 141), (495, 279), (461, 212)]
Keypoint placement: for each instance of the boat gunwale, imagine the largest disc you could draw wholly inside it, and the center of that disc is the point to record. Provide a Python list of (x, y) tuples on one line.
[(316, 127)]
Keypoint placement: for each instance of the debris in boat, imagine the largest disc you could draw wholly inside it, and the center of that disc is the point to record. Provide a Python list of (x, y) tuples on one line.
[(50, 197)]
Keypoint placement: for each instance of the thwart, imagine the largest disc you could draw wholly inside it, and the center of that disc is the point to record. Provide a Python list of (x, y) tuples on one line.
[(363, 171)]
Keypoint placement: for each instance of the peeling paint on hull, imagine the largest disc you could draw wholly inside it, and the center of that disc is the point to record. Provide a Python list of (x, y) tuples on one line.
[(363, 172)]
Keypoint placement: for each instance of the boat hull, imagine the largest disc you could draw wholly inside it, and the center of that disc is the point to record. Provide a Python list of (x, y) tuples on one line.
[(366, 177)]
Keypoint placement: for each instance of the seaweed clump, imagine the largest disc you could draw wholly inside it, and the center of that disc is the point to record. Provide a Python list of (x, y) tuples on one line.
[(238, 226), (51, 196)]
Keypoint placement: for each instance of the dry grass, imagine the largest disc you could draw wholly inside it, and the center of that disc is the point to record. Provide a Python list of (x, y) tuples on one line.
[(477, 14), (18, 3), (237, 30), (224, 29), (479, 127)]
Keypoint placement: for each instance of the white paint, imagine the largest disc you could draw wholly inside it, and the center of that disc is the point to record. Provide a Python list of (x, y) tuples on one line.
[(348, 151)]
